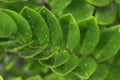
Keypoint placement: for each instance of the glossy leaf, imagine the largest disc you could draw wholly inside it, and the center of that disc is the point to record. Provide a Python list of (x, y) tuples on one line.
[(7, 26), (106, 15), (71, 31), (17, 47), (7, 43), (46, 54), (24, 32), (31, 53), (117, 2), (10, 63), (54, 77), (114, 73), (80, 9), (67, 67), (34, 67), (100, 74), (1, 78), (89, 35), (39, 27), (109, 43), (100, 3), (58, 7), (54, 26), (37, 77), (16, 78), (86, 68), (56, 60)]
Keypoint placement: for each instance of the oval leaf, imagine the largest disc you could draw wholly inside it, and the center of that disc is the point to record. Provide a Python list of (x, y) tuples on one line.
[(80, 9), (24, 32), (109, 43), (67, 67), (70, 30), (31, 53), (54, 26), (100, 74), (105, 15), (99, 3), (7, 26), (57, 60), (39, 27), (86, 68), (46, 54), (89, 35), (58, 7)]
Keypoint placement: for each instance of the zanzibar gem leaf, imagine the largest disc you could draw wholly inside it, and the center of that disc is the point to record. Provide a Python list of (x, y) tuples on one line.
[(106, 15), (80, 9), (39, 27), (7, 26), (24, 32), (99, 3), (67, 67), (86, 68), (89, 35), (71, 31), (58, 59), (53, 25), (109, 43)]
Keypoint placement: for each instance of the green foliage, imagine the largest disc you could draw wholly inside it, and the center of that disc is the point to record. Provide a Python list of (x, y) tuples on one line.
[(59, 40)]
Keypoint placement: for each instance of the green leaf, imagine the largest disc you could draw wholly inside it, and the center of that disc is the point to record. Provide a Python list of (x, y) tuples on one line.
[(71, 76), (7, 26), (24, 32), (31, 53), (16, 78), (58, 7), (17, 48), (71, 31), (56, 60), (48, 53), (10, 63), (109, 43), (39, 27), (117, 1), (100, 74), (7, 43), (13, 5), (11, 1), (114, 73), (89, 35), (118, 7), (34, 67), (80, 9), (54, 77), (106, 15), (1, 78), (37, 77), (67, 67), (86, 68), (100, 3), (54, 26)]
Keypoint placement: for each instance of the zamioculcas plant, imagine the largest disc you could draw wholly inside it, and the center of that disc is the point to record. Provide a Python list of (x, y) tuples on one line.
[(59, 40)]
